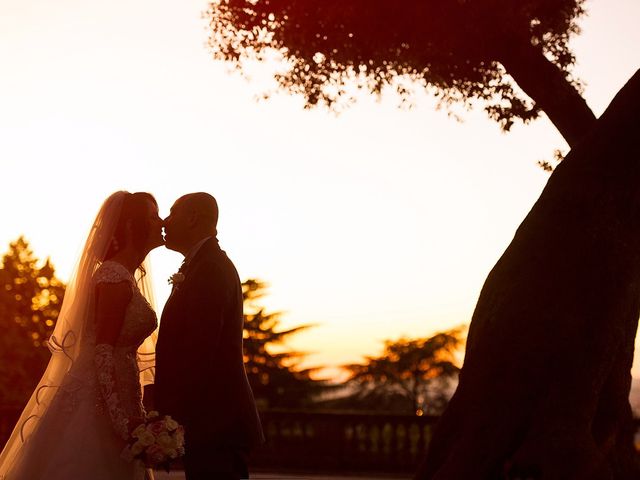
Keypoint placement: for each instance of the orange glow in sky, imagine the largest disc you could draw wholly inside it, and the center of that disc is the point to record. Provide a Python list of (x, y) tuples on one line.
[(373, 224)]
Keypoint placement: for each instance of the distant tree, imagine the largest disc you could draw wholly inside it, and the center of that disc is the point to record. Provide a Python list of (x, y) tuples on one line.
[(413, 376), (272, 369), (30, 299), (464, 50)]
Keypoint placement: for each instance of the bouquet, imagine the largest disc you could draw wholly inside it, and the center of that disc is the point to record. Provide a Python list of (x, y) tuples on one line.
[(156, 442)]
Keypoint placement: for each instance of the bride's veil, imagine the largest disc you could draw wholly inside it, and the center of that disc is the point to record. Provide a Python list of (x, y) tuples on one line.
[(73, 338), (147, 351)]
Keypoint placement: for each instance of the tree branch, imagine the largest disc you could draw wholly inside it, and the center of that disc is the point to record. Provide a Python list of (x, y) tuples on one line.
[(548, 86)]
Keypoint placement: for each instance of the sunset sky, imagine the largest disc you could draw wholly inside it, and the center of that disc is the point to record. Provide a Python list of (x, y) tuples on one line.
[(374, 224)]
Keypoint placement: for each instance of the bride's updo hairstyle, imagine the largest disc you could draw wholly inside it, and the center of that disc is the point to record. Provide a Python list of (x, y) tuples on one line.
[(134, 212)]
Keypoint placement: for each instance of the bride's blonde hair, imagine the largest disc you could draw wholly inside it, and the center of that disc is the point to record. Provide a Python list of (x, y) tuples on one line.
[(133, 212)]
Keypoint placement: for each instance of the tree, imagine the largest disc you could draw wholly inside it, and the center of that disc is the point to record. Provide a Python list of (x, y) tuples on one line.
[(544, 388), (30, 301), (274, 378), (417, 371), (464, 50)]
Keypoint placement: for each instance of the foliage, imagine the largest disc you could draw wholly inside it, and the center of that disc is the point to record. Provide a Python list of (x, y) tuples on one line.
[(30, 301), (411, 376), (548, 166), (457, 48), (274, 378)]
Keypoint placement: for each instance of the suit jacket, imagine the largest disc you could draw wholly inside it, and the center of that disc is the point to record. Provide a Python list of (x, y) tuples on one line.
[(200, 376)]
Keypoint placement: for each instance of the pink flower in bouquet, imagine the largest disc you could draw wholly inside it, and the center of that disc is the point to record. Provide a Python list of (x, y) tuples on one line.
[(156, 428), (155, 454)]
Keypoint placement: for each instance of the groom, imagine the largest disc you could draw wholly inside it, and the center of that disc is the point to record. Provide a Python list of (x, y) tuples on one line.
[(200, 376)]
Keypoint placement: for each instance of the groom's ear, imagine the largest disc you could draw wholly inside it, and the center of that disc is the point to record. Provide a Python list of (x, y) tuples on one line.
[(192, 218)]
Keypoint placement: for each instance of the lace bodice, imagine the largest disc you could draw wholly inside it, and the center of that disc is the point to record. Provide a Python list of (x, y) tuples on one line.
[(140, 319), (118, 375)]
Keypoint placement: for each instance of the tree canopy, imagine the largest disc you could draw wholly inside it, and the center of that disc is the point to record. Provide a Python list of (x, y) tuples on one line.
[(30, 299), (410, 376), (464, 50), (271, 368)]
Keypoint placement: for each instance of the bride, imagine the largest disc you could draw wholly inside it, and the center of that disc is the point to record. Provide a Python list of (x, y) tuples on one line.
[(90, 398)]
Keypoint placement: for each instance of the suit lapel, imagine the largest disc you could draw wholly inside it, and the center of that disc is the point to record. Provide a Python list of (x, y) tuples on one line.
[(210, 245), (207, 248)]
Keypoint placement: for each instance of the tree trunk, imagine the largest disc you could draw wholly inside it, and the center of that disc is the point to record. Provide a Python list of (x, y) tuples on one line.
[(546, 84), (544, 389)]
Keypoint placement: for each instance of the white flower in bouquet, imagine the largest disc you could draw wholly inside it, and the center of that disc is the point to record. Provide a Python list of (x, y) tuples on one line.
[(165, 441), (147, 438), (140, 429), (137, 448), (170, 423)]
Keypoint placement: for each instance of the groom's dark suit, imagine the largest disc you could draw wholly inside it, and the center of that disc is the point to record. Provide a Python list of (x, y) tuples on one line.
[(200, 375)]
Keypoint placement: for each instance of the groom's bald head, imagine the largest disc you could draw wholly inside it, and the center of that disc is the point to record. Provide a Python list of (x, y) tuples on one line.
[(193, 216), (203, 206)]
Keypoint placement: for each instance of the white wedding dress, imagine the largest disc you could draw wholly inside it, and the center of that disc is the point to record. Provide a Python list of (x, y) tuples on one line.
[(80, 436), (75, 424)]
